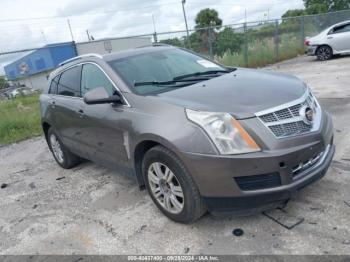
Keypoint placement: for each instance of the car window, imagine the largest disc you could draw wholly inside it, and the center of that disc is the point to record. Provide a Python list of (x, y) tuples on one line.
[(93, 77), (159, 66), (53, 85), (341, 29), (69, 83)]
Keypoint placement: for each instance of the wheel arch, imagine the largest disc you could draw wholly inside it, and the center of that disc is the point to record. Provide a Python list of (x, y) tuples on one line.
[(140, 149), (46, 126), (320, 45), (322, 56)]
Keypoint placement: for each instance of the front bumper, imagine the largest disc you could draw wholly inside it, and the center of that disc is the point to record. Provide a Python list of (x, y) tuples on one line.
[(217, 176), (259, 201)]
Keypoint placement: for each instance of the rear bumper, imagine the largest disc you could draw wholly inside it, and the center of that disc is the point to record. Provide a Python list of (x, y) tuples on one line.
[(311, 50)]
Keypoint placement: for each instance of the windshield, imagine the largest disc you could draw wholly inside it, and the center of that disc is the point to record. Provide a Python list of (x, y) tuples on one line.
[(161, 71)]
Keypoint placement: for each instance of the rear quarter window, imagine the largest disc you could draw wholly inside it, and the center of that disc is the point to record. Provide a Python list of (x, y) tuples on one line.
[(53, 85), (69, 83)]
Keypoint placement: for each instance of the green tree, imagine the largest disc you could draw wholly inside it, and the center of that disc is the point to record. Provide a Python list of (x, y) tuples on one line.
[(201, 38), (228, 40), (174, 41), (3, 82), (197, 42), (208, 17), (322, 6), (294, 13)]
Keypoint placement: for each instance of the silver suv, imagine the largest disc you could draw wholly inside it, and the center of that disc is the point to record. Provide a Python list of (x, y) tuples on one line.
[(335, 40), (198, 135)]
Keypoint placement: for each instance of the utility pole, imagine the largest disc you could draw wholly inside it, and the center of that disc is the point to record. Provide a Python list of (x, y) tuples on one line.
[(70, 30), (88, 35), (188, 35), (154, 24), (155, 31)]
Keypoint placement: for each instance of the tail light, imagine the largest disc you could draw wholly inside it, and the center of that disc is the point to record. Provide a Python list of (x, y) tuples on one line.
[(307, 42)]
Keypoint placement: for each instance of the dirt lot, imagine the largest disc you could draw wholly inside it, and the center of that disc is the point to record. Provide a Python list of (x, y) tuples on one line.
[(92, 210)]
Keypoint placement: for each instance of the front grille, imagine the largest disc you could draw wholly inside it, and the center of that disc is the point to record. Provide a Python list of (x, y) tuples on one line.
[(290, 129), (285, 121), (256, 182)]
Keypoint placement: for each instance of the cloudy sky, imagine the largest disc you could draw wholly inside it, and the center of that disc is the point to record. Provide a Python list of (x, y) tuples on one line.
[(33, 23)]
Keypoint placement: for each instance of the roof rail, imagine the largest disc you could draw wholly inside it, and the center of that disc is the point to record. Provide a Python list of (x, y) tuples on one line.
[(154, 45), (79, 57), (160, 44)]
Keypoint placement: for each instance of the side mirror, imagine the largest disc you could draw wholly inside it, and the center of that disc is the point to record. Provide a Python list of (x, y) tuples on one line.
[(99, 95)]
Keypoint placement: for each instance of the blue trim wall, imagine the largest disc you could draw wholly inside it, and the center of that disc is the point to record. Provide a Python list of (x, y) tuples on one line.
[(46, 58)]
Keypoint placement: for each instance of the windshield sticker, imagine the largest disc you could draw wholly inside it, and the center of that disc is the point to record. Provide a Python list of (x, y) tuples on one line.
[(206, 63)]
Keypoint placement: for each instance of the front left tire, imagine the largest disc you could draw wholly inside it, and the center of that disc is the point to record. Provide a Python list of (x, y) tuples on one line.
[(171, 187)]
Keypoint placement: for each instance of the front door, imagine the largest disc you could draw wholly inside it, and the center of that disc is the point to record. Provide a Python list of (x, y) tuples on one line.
[(102, 125), (68, 105)]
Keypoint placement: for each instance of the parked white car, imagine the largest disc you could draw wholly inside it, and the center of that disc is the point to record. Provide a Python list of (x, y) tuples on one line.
[(20, 91), (335, 40)]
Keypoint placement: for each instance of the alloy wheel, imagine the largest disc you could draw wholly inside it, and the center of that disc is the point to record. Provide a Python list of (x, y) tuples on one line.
[(165, 188), (324, 53), (56, 148)]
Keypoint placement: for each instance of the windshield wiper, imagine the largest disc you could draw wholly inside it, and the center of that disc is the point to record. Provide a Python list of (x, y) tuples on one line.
[(210, 72), (170, 82), (203, 76)]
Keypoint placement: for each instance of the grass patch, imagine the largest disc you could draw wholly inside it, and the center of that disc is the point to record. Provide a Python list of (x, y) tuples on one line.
[(262, 52), (19, 119)]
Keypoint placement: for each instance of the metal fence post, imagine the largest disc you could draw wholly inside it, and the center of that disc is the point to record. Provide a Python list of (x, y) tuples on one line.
[(302, 30), (245, 44), (276, 41), (155, 39), (210, 42), (187, 41)]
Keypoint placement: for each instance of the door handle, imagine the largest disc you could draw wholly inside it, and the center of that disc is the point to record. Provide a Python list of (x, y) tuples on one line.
[(330, 37), (81, 113), (53, 103)]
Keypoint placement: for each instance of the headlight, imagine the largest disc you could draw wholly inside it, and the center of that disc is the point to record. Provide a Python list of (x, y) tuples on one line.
[(313, 98), (225, 131)]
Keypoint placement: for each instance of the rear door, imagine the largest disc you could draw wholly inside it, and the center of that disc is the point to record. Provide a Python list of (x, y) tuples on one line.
[(68, 108), (51, 101), (339, 38)]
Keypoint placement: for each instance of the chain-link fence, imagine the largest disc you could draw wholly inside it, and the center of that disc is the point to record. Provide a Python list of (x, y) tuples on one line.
[(254, 44), (251, 44)]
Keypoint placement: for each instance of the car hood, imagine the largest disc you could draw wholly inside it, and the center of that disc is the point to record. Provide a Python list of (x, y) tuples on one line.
[(241, 93)]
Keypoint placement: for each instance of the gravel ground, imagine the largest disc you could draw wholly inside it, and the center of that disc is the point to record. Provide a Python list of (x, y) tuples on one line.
[(92, 210)]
